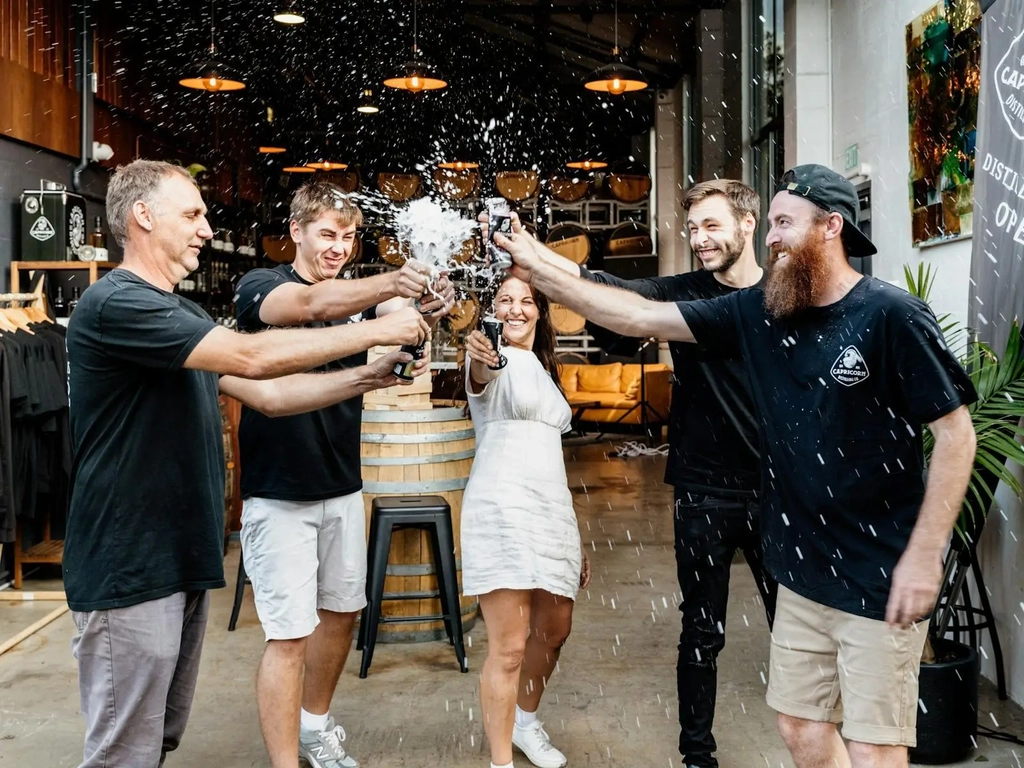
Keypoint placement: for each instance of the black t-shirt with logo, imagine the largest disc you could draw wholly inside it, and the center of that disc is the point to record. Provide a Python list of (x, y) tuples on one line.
[(146, 518), (712, 431), (309, 456), (842, 394)]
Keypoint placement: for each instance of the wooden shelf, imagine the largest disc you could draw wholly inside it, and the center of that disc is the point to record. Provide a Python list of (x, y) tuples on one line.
[(94, 267)]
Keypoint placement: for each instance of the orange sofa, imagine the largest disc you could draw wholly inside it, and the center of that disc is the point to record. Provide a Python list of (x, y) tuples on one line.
[(616, 388)]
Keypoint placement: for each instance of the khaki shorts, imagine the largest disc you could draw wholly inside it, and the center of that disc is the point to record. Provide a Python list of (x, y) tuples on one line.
[(302, 556), (836, 667)]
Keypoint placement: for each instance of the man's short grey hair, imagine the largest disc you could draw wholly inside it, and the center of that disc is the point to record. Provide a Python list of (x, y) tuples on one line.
[(131, 183)]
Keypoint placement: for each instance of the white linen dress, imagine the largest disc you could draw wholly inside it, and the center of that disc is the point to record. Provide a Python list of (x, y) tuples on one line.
[(519, 528)]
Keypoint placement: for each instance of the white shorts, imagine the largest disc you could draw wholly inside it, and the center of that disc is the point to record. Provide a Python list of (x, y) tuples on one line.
[(302, 556)]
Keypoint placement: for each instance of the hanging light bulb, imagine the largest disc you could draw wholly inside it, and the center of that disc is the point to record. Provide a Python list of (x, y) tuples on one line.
[(213, 75), (415, 75), (618, 77), (366, 104), (290, 15)]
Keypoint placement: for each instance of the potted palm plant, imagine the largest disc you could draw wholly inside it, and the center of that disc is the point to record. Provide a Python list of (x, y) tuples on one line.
[(947, 716)]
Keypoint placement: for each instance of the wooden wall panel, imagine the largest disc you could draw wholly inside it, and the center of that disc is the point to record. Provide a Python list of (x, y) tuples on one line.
[(51, 118), (39, 102), (39, 35)]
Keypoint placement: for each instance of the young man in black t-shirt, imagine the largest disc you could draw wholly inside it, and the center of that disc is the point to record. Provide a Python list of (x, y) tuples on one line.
[(303, 520), (145, 527), (846, 372), (714, 457)]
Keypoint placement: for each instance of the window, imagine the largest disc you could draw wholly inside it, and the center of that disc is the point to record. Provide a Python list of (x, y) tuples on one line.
[(768, 148)]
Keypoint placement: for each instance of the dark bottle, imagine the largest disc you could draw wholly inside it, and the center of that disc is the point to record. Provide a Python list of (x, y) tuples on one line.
[(404, 370), (59, 307), (98, 239), (76, 294)]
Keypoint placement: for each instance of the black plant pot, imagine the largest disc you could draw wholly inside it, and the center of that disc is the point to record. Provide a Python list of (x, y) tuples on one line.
[(947, 715)]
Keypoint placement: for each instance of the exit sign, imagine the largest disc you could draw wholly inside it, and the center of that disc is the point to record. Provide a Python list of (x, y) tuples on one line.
[(852, 157)]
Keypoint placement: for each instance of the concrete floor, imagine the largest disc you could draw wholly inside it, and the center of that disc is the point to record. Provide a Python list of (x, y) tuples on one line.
[(613, 703)]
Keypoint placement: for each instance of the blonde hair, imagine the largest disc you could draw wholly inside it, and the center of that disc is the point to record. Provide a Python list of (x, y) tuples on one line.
[(132, 183), (316, 198)]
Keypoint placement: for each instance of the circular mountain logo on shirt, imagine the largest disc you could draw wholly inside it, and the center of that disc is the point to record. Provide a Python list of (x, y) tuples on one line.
[(850, 368)]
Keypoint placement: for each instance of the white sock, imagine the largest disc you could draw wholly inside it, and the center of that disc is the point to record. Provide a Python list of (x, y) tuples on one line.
[(510, 765), (310, 722), (524, 719)]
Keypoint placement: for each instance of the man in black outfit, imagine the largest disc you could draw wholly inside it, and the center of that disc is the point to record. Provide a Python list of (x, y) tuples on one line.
[(145, 528), (714, 458), (847, 372)]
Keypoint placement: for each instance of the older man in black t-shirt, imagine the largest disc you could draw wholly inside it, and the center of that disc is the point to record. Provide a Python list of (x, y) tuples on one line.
[(145, 527), (846, 371)]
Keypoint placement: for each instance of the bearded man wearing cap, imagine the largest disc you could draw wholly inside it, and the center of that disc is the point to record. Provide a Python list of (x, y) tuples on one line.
[(846, 372)]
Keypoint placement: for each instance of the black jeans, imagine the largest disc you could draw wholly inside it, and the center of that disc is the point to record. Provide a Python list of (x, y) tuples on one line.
[(708, 531)]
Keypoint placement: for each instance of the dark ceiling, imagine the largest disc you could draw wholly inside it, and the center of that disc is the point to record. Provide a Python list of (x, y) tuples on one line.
[(515, 70)]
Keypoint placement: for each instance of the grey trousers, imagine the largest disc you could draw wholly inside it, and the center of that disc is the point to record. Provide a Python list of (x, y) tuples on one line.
[(137, 670)]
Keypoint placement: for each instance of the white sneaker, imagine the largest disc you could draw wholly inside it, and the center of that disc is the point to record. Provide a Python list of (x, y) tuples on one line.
[(534, 742), (322, 749)]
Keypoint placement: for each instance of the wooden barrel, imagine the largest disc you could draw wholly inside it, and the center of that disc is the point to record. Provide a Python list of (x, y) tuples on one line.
[(392, 251), (630, 238), (571, 241), (470, 248), (566, 322), (457, 184), (464, 314), (348, 180), (570, 188), (516, 186), (417, 453), (629, 187), (399, 187), (279, 248)]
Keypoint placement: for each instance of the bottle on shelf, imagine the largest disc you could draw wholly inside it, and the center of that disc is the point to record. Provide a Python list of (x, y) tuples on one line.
[(76, 294), (98, 239), (59, 307)]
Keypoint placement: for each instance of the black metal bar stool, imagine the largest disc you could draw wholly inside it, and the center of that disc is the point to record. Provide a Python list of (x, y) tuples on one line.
[(240, 582), (433, 515)]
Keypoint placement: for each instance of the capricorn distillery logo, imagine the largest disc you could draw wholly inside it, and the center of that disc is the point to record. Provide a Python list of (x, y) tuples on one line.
[(850, 368), (1009, 75)]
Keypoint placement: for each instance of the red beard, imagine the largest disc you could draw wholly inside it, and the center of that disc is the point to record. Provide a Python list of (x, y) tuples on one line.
[(795, 285)]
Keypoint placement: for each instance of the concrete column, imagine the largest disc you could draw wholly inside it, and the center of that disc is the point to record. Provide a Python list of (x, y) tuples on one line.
[(673, 247), (807, 81)]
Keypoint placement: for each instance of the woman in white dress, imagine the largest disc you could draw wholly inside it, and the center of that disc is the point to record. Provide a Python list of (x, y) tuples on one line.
[(521, 549)]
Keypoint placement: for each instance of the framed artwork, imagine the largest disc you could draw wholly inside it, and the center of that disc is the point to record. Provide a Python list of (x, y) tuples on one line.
[(943, 76)]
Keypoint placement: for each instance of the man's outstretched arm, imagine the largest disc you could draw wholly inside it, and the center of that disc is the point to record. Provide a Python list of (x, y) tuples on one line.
[(618, 310)]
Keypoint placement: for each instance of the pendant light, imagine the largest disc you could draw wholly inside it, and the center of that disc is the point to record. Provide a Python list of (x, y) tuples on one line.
[(415, 75), (298, 169), (618, 77), (458, 165), (587, 165), (327, 165), (290, 14), (367, 105), (270, 149), (213, 75)]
